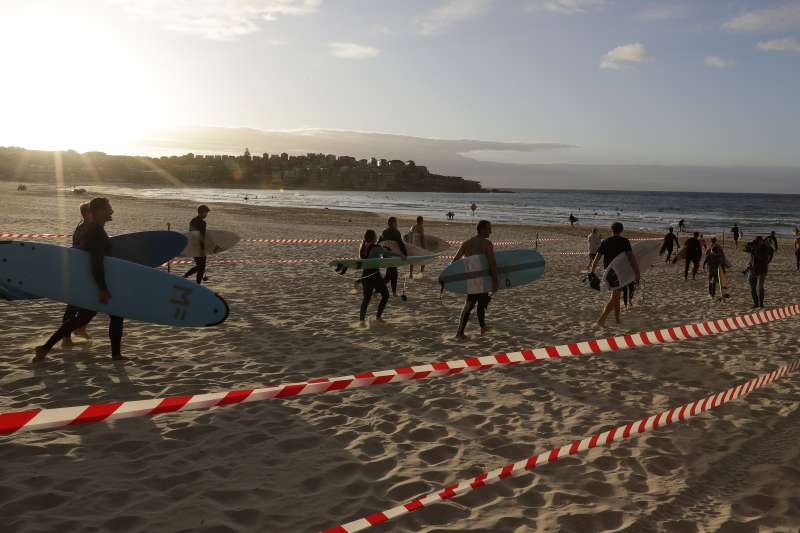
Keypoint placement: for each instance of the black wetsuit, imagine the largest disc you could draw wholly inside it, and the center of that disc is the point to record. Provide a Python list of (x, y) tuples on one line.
[(694, 252), (760, 258), (372, 281), (199, 225), (94, 240), (715, 259), (391, 234), (71, 311), (736, 234), (670, 240)]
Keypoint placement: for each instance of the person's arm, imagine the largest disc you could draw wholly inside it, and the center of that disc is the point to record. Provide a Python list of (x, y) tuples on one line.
[(492, 266)]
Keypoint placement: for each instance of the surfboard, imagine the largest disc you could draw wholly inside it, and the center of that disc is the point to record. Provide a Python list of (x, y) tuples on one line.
[(431, 243), (471, 275), (217, 240), (137, 292), (342, 265), (394, 247), (620, 272), (148, 248)]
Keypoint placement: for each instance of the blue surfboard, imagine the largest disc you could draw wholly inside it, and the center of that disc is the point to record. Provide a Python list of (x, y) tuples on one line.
[(149, 248), (471, 275), (137, 292)]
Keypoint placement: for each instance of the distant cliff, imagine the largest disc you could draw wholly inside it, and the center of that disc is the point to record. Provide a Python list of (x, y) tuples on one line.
[(310, 171)]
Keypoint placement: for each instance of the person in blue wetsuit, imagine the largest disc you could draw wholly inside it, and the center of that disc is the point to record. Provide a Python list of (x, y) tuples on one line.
[(371, 279)]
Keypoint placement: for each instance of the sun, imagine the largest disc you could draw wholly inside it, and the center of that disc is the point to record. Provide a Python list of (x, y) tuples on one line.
[(70, 84)]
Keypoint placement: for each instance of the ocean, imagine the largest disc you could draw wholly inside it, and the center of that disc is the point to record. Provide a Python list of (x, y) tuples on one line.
[(710, 213)]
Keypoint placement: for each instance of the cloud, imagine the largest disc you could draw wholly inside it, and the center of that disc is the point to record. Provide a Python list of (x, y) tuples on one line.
[(787, 44), (220, 20), (785, 17), (664, 12), (448, 13), (353, 51), (568, 7), (622, 56), (718, 62)]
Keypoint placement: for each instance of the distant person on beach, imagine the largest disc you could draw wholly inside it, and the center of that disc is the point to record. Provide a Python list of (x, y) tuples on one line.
[(681, 226), (694, 253), (609, 249), (572, 220), (371, 279), (670, 242), (593, 243), (772, 240), (199, 225), (450, 215), (71, 311), (391, 233), (714, 262), (761, 255), (473, 207), (797, 251), (478, 245), (417, 239), (94, 240), (737, 233)]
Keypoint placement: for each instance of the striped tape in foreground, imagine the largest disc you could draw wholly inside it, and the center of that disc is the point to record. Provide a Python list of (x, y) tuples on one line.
[(88, 414), (664, 418)]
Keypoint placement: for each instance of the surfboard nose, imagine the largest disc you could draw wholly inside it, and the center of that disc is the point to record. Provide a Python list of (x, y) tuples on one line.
[(223, 312)]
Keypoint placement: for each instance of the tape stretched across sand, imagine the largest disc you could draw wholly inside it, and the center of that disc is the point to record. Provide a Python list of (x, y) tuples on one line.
[(664, 418), (88, 414)]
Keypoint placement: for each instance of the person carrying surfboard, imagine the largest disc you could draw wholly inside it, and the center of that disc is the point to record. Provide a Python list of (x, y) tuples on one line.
[(694, 253), (417, 239), (199, 225), (71, 311), (476, 246), (609, 249), (371, 279), (715, 261), (391, 233), (94, 240), (670, 241)]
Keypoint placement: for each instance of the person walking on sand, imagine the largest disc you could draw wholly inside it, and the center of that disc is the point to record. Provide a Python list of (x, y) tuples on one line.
[(371, 279), (71, 311), (609, 249), (391, 233), (473, 207), (772, 240), (593, 243), (417, 239), (694, 253), (761, 255), (94, 240), (681, 226), (670, 241), (474, 248), (572, 220), (737, 233), (714, 263), (199, 225)]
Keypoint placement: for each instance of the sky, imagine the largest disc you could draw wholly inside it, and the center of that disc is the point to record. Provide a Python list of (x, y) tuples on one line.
[(541, 83)]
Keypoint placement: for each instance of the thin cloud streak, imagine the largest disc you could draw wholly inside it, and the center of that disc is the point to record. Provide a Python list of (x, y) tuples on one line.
[(449, 13), (568, 7), (787, 44), (718, 62), (625, 55), (353, 51), (786, 17)]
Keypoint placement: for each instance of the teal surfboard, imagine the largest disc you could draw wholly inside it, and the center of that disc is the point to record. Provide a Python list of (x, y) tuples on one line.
[(148, 248), (471, 275), (137, 292)]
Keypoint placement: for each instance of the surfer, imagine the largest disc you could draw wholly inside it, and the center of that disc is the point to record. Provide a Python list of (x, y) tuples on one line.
[(478, 245), (71, 311), (417, 239), (473, 207), (772, 240), (371, 279), (199, 225), (715, 261), (450, 215), (572, 219), (391, 233), (681, 226), (694, 253), (736, 234), (94, 240), (670, 240), (610, 248), (593, 242), (760, 256)]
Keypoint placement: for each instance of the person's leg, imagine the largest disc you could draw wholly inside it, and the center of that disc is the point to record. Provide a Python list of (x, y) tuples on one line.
[(191, 270), (201, 268), (712, 282), (762, 278), (686, 268), (695, 267), (384, 299), (368, 288), (69, 313), (391, 278), (613, 303), (469, 303), (483, 303), (797, 255), (753, 279), (115, 335), (83, 317)]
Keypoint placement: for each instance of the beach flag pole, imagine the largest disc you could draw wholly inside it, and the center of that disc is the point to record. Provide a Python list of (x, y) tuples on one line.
[(537, 240)]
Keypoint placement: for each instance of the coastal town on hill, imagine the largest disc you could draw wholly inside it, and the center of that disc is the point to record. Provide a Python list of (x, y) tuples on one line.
[(309, 171)]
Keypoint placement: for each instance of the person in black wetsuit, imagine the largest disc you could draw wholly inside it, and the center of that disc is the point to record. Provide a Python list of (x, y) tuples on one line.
[(94, 240), (736, 234), (371, 279), (71, 311), (199, 225), (391, 233), (670, 241), (761, 255), (694, 253), (715, 260), (610, 248)]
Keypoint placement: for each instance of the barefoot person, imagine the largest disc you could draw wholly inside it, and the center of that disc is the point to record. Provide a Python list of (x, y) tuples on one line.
[(417, 239), (609, 249), (670, 242), (478, 245), (199, 225), (371, 279), (694, 253), (715, 261), (391, 233), (94, 240), (71, 311)]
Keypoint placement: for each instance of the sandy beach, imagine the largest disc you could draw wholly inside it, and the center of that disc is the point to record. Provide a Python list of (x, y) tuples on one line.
[(305, 464)]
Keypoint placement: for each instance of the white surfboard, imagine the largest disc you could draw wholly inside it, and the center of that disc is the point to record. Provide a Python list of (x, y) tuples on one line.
[(216, 241), (394, 247), (431, 244), (620, 272)]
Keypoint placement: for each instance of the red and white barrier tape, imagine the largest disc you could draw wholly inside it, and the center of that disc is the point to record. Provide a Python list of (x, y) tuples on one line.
[(300, 241), (664, 418), (86, 414), (14, 235), (245, 261)]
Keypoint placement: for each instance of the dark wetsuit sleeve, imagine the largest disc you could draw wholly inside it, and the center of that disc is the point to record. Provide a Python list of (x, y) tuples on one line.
[(94, 243)]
